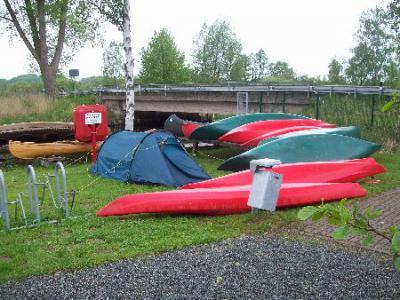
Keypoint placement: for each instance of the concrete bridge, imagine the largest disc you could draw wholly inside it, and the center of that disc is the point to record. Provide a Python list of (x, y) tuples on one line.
[(229, 100)]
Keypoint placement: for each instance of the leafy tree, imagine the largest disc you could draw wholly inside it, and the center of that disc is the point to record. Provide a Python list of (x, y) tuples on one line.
[(216, 47), (375, 52), (47, 29), (335, 73), (239, 71), (162, 62), (113, 65), (281, 69), (394, 17), (258, 65)]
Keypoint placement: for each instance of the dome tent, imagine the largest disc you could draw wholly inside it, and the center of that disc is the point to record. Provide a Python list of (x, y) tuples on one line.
[(155, 157)]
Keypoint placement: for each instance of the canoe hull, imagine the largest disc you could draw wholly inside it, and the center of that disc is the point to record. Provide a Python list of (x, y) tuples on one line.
[(304, 148), (180, 127), (226, 200), (247, 132), (30, 150), (335, 171), (351, 131), (216, 129)]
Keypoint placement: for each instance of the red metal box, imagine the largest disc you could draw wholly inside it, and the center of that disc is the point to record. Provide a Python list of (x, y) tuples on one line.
[(87, 115)]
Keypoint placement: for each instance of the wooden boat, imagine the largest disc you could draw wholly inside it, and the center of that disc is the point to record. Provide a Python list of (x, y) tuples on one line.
[(304, 148), (247, 132), (351, 131), (36, 132), (226, 200), (30, 150), (214, 130), (325, 171)]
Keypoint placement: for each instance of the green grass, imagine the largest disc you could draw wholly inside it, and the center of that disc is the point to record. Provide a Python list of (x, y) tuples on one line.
[(86, 240)]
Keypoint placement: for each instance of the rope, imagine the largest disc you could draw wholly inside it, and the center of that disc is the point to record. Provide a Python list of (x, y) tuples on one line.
[(112, 169), (209, 156)]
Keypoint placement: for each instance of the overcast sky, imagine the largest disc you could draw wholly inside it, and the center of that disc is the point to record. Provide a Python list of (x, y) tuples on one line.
[(307, 34)]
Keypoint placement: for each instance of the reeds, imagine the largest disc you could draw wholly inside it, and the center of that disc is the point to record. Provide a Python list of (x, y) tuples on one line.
[(363, 112), (24, 104)]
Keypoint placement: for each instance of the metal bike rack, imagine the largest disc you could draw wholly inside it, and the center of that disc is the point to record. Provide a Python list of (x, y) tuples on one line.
[(3, 202), (60, 199), (4, 215), (33, 195), (60, 168)]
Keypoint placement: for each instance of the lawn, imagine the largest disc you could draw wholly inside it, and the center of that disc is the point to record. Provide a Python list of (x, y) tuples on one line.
[(85, 240)]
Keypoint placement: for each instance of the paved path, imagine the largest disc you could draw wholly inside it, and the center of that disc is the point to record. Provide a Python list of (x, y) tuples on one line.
[(388, 202), (246, 268), (260, 267)]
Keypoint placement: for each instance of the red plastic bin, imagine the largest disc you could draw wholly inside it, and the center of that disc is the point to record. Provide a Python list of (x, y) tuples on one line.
[(85, 116)]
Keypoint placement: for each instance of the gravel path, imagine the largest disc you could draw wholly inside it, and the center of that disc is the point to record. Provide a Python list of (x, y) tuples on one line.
[(246, 268)]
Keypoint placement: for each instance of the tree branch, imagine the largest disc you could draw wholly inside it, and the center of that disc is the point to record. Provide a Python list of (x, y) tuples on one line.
[(43, 49), (32, 24), (61, 35), (20, 30), (5, 18)]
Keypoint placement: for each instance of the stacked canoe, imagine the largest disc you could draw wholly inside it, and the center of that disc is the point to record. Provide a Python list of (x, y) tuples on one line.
[(320, 162), (285, 137), (303, 184)]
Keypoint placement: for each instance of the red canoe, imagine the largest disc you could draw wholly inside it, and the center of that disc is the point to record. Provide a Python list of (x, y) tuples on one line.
[(188, 127), (250, 131), (333, 171), (254, 142), (226, 200)]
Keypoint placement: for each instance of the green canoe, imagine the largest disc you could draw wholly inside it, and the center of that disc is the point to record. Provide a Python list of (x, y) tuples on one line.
[(304, 148), (347, 131), (216, 129)]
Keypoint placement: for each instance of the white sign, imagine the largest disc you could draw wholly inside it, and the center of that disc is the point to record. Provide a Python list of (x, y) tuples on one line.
[(92, 118), (264, 190)]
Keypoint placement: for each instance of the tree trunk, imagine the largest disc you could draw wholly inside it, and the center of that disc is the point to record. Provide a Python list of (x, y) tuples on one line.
[(49, 79), (129, 65)]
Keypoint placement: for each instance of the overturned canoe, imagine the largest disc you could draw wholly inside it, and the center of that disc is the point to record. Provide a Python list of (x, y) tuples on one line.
[(226, 200), (351, 131), (216, 129), (180, 127), (275, 133), (30, 150), (325, 171), (36, 132), (304, 148), (247, 132)]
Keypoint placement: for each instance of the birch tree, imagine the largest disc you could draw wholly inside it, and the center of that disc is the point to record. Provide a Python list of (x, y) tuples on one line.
[(117, 12)]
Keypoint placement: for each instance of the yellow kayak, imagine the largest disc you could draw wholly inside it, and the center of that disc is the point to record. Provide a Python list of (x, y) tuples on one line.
[(30, 150)]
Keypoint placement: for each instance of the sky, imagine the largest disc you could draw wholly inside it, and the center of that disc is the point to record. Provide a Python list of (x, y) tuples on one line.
[(307, 34)]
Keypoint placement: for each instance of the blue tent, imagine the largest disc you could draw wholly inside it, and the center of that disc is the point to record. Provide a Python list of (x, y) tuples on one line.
[(155, 157)]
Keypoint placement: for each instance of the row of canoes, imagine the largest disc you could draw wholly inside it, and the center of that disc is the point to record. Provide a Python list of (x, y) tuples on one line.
[(319, 163), (286, 137), (303, 184)]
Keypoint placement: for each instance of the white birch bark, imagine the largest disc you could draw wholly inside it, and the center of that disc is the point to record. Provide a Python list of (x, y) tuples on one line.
[(129, 66)]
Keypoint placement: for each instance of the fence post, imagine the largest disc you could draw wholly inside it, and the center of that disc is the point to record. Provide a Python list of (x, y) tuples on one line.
[(284, 102), (260, 102), (317, 107), (373, 110)]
